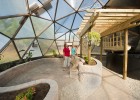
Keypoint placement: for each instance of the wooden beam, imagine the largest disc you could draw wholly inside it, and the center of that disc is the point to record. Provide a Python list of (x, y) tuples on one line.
[(125, 54), (115, 10), (109, 21), (81, 42), (113, 18), (125, 25), (89, 23), (116, 15), (101, 50)]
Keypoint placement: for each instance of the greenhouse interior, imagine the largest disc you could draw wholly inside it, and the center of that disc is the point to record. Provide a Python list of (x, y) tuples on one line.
[(69, 49)]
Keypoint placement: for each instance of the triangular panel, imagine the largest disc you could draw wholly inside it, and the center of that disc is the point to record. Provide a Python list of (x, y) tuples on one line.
[(74, 3), (60, 45), (104, 1), (9, 54), (26, 30), (40, 24), (77, 22), (9, 26), (35, 50), (3, 41), (67, 36), (71, 37), (22, 45), (52, 7), (58, 35), (82, 13), (45, 14), (87, 4), (44, 44), (60, 29), (12, 7), (49, 33), (67, 21), (61, 38), (63, 9), (52, 50), (97, 5)]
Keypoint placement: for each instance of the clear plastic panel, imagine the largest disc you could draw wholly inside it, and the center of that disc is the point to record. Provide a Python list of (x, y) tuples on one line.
[(60, 45), (52, 7), (9, 26), (22, 45), (76, 38), (52, 50), (58, 35), (3, 41), (62, 38), (87, 4), (35, 50), (77, 22), (9, 54), (45, 14), (40, 24), (71, 37), (60, 29), (12, 7), (74, 3), (97, 5), (44, 44), (67, 36), (63, 9), (49, 33), (104, 1), (26, 30), (82, 13), (67, 21)]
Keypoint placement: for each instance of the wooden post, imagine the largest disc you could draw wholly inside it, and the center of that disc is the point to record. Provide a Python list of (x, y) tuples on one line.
[(101, 49), (113, 39), (89, 49), (125, 54), (81, 42), (121, 39)]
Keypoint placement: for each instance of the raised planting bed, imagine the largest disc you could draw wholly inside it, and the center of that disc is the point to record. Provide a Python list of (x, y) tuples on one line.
[(36, 92), (51, 94)]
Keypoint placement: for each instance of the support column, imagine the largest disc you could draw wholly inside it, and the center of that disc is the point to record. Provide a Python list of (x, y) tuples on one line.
[(81, 42), (101, 50), (125, 60), (89, 49)]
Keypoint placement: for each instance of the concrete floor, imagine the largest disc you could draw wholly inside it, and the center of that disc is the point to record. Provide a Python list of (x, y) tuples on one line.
[(113, 87)]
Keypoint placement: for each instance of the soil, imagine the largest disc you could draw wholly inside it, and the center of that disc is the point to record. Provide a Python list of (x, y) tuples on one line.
[(41, 92)]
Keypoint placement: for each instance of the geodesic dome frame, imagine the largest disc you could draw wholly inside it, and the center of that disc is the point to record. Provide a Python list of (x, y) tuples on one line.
[(40, 26)]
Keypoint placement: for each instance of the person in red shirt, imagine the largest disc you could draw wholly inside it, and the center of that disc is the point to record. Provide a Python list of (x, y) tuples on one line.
[(66, 54)]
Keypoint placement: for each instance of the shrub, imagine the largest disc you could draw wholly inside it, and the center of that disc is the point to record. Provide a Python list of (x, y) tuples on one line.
[(27, 95)]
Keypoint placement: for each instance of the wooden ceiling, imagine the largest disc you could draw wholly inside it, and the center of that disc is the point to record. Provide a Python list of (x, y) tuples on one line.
[(107, 21)]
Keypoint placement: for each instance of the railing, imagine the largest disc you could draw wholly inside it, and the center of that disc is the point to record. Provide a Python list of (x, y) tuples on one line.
[(114, 42)]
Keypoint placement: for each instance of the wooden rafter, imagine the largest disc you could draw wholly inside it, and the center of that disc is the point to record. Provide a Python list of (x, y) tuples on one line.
[(108, 21)]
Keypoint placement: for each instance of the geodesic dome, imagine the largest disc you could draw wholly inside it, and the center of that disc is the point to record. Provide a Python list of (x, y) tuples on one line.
[(40, 26)]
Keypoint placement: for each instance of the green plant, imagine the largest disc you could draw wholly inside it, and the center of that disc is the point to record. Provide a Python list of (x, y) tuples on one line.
[(27, 95), (86, 59), (54, 53), (29, 56), (94, 37)]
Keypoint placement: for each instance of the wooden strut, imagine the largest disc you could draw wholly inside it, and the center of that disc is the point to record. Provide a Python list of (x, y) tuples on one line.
[(125, 59)]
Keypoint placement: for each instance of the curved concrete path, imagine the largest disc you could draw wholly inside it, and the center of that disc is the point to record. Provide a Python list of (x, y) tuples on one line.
[(113, 87)]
